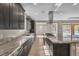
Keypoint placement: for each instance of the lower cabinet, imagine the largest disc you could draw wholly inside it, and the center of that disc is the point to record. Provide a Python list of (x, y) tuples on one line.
[(18, 52), (61, 49), (24, 49)]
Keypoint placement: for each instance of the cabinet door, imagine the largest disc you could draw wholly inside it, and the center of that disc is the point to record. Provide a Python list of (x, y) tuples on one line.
[(22, 19), (19, 16), (15, 16), (61, 49), (11, 15), (1, 16), (6, 15)]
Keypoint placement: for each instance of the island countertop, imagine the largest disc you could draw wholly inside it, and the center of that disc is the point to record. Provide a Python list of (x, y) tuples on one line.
[(53, 40)]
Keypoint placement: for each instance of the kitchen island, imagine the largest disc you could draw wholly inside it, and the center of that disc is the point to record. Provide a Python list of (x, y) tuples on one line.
[(62, 48)]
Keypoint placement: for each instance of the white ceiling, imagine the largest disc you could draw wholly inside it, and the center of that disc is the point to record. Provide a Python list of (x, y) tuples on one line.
[(62, 11), (39, 11), (67, 11)]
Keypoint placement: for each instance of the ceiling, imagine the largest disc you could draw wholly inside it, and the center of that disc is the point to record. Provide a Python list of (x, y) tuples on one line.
[(62, 11)]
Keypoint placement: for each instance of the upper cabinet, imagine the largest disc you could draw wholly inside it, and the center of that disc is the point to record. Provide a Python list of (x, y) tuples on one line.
[(6, 17), (11, 16), (1, 16)]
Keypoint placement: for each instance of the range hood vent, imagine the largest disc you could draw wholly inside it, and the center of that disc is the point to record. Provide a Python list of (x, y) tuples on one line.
[(50, 15)]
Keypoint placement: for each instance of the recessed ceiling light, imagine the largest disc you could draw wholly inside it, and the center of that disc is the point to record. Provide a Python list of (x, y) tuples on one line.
[(35, 3), (58, 4)]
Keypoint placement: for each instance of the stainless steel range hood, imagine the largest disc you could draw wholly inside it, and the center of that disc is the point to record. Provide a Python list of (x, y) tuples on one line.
[(50, 14)]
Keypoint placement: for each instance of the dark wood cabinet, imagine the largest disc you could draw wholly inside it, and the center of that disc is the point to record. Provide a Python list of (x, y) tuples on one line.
[(6, 15), (1, 17), (15, 16), (61, 49), (11, 16), (21, 17)]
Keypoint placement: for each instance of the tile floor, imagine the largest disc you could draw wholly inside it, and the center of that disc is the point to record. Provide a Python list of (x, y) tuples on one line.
[(38, 49)]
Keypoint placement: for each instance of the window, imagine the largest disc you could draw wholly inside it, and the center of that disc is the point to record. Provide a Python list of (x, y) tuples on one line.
[(75, 34), (66, 30), (76, 30)]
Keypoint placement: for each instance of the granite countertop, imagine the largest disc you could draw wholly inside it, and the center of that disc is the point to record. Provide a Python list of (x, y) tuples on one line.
[(54, 40), (7, 47)]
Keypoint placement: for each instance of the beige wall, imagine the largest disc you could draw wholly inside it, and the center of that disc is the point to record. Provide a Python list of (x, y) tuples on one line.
[(43, 27), (10, 33)]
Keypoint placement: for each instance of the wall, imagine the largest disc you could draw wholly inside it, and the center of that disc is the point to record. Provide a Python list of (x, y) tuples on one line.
[(44, 27), (10, 33), (41, 28)]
